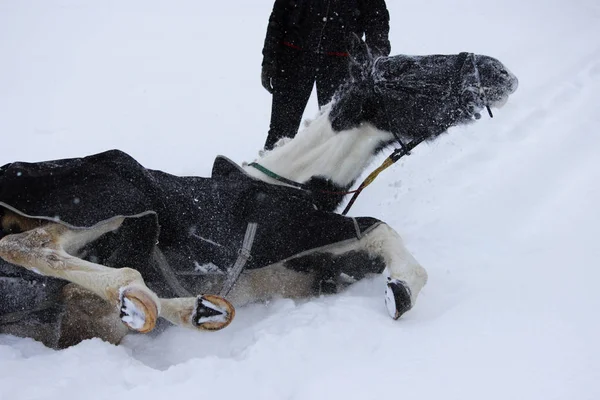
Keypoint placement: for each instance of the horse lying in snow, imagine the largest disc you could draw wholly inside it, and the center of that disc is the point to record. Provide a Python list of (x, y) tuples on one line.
[(98, 246)]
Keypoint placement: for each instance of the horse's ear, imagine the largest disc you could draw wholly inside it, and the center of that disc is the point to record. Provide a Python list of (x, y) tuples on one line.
[(361, 59)]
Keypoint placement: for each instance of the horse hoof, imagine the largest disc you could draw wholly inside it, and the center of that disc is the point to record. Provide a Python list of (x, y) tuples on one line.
[(138, 309), (397, 298), (212, 313)]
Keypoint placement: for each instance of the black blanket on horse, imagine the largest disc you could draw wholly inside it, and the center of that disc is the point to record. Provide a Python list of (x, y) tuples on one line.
[(199, 224)]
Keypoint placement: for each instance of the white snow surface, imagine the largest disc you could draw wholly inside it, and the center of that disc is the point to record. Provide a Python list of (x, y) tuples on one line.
[(502, 213)]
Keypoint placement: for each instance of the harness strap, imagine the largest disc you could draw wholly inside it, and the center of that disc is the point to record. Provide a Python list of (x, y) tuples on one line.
[(481, 91), (279, 178), (242, 259), (167, 273)]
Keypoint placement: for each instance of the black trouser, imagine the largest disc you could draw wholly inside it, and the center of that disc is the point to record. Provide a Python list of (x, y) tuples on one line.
[(297, 71)]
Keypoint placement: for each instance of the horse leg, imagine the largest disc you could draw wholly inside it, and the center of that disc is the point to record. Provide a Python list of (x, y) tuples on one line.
[(86, 315), (406, 276), (205, 312), (379, 249), (45, 249), (42, 250), (328, 269)]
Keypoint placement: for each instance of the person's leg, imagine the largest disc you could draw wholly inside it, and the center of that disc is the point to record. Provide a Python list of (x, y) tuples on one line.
[(291, 90), (332, 72)]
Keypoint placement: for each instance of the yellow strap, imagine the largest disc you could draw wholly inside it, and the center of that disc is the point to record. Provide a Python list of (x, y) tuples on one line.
[(388, 162)]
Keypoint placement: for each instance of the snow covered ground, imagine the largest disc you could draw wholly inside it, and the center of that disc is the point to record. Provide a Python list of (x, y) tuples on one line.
[(503, 213)]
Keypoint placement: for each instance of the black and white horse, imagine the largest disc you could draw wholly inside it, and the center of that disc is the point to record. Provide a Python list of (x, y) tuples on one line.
[(100, 245)]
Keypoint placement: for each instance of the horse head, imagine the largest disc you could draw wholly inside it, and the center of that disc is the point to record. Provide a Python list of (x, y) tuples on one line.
[(418, 97), (386, 99)]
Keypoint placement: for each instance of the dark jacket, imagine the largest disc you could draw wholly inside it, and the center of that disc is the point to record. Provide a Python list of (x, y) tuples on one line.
[(326, 26)]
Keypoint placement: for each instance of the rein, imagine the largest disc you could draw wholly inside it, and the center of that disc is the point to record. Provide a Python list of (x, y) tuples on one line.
[(397, 154)]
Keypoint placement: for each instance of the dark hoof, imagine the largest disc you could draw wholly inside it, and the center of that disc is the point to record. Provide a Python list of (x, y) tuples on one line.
[(212, 312), (397, 298)]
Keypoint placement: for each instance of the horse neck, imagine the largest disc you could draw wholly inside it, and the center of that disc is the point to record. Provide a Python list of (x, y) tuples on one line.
[(319, 152)]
